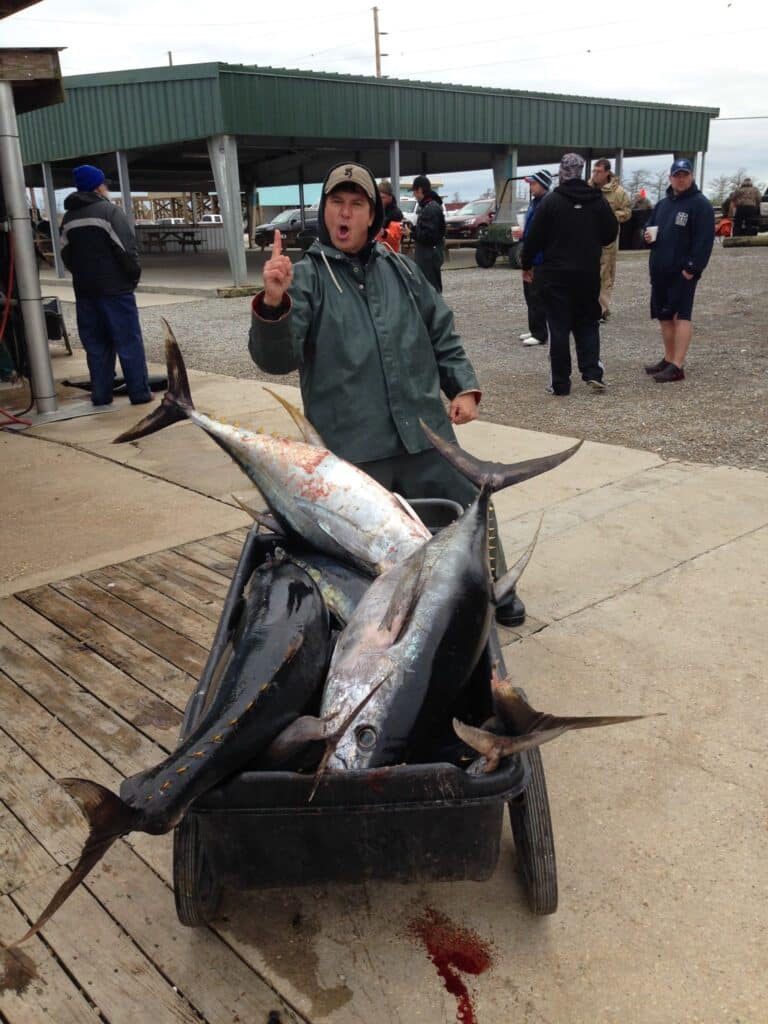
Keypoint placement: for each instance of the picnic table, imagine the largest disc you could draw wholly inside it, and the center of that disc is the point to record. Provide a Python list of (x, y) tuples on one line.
[(160, 237)]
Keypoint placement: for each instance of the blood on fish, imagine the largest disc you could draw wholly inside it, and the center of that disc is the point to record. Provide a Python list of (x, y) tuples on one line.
[(452, 949)]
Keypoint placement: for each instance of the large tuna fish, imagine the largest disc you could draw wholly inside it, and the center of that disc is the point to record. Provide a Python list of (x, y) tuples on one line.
[(329, 503), (281, 649)]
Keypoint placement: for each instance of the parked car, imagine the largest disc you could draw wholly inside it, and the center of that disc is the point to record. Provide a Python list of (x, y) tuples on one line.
[(408, 205), (288, 223), (467, 221), (170, 222), (211, 218)]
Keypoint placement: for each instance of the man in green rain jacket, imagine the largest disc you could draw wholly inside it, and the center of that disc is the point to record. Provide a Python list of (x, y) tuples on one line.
[(374, 345)]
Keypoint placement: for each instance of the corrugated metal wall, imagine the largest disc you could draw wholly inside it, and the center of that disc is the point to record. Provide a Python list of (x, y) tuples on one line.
[(141, 108), (112, 115)]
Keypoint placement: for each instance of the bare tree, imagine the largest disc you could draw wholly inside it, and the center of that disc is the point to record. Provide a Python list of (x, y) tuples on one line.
[(719, 189), (658, 184), (736, 179), (639, 179)]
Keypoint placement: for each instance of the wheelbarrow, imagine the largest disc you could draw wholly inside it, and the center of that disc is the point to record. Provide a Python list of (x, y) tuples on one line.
[(405, 823)]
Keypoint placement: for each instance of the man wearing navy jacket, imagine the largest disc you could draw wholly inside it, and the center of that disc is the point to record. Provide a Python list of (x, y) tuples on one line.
[(684, 236)]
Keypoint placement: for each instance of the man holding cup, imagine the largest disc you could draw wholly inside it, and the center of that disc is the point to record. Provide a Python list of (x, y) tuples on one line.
[(681, 233)]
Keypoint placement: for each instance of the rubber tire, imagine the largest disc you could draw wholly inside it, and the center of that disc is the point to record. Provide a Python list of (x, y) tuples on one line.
[(534, 841), (196, 892), (485, 257), (514, 256)]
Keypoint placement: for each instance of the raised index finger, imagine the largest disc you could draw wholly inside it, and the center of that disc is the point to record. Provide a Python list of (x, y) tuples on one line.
[(277, 244)]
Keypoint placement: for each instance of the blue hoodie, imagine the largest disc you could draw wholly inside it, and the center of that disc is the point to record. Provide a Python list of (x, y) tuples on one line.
[(686, 224), (530, 213)]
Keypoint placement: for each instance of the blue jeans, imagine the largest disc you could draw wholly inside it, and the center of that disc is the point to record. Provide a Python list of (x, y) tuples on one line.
[(109, 326)]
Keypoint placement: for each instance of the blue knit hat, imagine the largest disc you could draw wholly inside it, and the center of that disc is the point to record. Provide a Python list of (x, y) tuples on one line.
[(544, 178), (87, 178)]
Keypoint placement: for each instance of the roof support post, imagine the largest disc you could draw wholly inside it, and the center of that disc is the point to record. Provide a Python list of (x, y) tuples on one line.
[(12, 176), (618, 166), (394, 169), (505, 166), (222, 151), (125, 185), (301, 197), (53, 218), (700, 165)]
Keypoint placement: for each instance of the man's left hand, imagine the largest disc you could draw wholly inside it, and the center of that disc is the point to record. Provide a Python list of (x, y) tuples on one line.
[(687, 276), (463, 409), (528, 276)]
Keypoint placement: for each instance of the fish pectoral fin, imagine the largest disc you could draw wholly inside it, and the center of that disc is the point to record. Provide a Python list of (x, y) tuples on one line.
[(339, 528), (109, 818), (406, 595), (292, 740), (308, 432)]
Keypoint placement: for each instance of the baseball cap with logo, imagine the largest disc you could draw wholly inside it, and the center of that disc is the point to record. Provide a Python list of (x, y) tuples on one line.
[(681, 165), (351, 174)]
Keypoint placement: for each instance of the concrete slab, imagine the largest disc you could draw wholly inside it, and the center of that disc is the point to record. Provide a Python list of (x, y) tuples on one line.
[(62, 289)]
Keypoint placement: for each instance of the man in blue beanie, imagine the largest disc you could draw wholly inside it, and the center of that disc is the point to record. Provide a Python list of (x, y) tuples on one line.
[(98, 247)]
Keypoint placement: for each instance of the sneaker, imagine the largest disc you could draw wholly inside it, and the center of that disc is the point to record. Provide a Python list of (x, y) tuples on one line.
[(657, 367), (669, 373), (558, 394), (605, 317), (595, 384), (524, 335), (530, 340), (511, 612)]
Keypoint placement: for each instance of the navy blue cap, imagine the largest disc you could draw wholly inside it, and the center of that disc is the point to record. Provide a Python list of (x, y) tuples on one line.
[(681, 165)]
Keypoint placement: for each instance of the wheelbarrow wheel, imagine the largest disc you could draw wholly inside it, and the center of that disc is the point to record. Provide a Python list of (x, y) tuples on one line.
[(534, 840), (196, 891)]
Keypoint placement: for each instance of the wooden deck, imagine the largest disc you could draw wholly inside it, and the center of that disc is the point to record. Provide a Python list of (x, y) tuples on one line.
[(94, 676)]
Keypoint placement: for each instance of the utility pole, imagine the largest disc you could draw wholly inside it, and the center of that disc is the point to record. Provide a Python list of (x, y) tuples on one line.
[(376, 35), (170, 58)]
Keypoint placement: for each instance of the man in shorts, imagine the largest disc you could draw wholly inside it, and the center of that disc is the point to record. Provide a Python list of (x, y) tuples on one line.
[(681, 238)]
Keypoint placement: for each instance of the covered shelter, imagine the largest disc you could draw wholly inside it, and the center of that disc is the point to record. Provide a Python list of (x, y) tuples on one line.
[(234, 128)]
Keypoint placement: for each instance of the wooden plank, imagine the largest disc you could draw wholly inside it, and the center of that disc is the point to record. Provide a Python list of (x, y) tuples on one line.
[(26, 65), (225, 544), (103, 960), (121, 744), (137, 704), (154, 604), (143, 905), (133, 658), (195, 597), (34, 987), (22, 858), (187, 571), (209, 557), (35, 799), (160, 639)]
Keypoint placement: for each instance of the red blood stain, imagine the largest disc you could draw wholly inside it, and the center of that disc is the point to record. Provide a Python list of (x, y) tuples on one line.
[(452, 949)]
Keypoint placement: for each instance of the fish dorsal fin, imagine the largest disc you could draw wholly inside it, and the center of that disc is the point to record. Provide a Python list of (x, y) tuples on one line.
[(407, 592), (308, 432)]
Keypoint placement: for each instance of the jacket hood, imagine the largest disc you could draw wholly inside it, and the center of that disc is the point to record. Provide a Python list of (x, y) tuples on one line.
[(378, 216), (576, 190), (77, 200), (692, 191), (431, 195)]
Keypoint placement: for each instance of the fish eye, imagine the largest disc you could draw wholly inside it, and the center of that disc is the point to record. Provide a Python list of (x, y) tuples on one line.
[(365, 737)]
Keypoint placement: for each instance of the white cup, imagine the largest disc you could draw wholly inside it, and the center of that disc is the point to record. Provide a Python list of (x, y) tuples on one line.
[(652, 232)]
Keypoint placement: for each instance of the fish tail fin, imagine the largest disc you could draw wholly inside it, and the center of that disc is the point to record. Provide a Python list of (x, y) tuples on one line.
[(308, 432), (498, 474), (109, 818), (176, 403), (503, 587)]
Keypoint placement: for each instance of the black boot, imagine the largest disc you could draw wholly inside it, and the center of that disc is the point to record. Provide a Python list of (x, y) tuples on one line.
[(511, 611)]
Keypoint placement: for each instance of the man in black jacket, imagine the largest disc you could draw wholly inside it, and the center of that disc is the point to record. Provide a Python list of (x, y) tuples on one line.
[(572, 225), (99, 249), (429, 231)]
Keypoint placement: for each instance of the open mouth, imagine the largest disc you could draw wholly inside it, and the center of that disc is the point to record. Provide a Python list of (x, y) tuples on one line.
[(342, 231)]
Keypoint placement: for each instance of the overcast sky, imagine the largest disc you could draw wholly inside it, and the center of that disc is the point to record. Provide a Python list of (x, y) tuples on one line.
[(711, 53)]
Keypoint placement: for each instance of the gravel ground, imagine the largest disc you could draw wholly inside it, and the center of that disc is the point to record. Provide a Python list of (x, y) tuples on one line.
[(717, 415)]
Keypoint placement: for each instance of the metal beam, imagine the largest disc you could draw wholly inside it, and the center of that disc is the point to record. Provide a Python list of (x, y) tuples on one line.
[(125, 185), (12, 176), (222, 150), (53, 219), (394, 169)]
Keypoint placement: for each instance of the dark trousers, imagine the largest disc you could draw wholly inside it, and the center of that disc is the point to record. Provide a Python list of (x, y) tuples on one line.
[(537, 314), (429, 259), (746, 220), (428, 475), (109, 326), (573, 307)]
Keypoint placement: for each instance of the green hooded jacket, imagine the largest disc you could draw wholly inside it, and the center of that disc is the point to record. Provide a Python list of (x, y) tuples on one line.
[(374, 345)]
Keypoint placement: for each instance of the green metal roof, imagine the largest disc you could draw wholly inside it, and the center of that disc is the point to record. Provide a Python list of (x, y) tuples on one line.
[(278, 111)]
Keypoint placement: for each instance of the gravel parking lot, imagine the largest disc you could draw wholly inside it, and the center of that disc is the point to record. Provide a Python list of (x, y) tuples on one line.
[(717, 415)]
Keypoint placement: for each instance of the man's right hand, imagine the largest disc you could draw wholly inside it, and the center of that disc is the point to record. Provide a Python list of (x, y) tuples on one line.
[(278, 273)]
